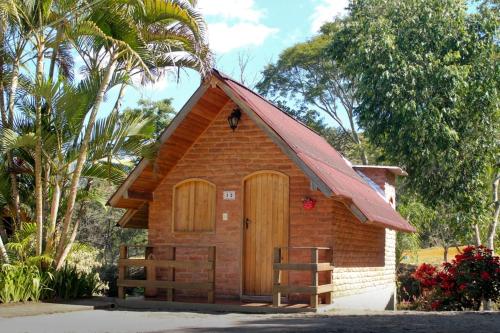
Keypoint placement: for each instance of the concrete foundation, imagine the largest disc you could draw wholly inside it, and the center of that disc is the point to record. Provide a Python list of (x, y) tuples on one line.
[(374, 299)]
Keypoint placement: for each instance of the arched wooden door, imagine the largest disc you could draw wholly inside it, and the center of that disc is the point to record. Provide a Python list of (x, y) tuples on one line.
[(266, 217)]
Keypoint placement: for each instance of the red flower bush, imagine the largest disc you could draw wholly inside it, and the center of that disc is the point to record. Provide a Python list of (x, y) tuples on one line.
[(473, 276), (426, 274)]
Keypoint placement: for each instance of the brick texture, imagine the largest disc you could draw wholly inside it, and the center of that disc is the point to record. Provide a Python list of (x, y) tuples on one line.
[(363, 255)]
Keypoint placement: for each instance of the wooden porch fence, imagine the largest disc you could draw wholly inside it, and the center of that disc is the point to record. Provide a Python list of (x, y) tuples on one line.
[(314, 289), (170, 263)]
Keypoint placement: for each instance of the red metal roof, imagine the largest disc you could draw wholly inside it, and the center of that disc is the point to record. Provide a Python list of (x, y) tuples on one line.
[(327, 163)]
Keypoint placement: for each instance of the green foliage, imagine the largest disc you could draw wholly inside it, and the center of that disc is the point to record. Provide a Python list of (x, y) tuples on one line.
[(406, 243), (161, 112), (70, 283), (21, 246), (98, 229), (30, 278), (427, 80), (437, 225), (84, 258), (20, 283)]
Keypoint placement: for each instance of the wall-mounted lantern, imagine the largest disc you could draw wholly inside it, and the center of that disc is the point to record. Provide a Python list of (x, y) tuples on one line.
[(234, 118)]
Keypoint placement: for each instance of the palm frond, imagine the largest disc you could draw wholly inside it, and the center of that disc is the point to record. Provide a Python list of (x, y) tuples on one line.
[(10, 140), (106, 171)]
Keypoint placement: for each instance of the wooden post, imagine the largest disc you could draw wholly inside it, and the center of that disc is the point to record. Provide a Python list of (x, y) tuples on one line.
[(314, 278), (211, 274), (276, 278), (122, 269), (329, 295), (150, 271), (170, 273)]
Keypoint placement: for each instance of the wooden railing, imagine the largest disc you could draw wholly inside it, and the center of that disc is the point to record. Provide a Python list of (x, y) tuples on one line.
[(314, 289), (170, 263)]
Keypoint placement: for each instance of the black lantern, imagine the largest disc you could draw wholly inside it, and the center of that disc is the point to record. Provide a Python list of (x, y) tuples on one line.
[(234, 118)]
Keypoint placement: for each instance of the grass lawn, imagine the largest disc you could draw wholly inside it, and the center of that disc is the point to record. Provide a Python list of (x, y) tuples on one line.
[(431, 255)]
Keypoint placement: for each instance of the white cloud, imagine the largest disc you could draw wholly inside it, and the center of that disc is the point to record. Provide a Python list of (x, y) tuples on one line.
[(243, 10), (159, 85), (325, 11), (225, 37), (234, 24)]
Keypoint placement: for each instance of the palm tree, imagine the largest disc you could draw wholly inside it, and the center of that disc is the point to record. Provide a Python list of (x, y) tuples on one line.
[(140, 38), (116, 140), (116, 41), (31, 29)]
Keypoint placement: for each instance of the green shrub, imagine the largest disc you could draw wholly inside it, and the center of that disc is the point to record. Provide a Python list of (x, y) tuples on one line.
[(408, 288), (109, 274), (70, 283), (20, 282), (25, 280), (84, 258)]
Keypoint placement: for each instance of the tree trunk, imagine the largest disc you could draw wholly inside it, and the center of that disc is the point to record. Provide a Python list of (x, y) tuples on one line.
[(48, 208), (9, 123), (16, 201), (13, 89), (71, 241), (70, 205), (3, 112), (46, 188), (38, 152), (445, 253), (362, 153), (54, 209), (119, 99), (477, 235), (3, 252), (494, 223), (69, 245)]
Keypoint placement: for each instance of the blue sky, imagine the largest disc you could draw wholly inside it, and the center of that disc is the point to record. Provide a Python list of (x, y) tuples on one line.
[(260, 29)]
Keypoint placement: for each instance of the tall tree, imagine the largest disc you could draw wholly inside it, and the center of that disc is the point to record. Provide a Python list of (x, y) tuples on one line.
[(306, 76), (427, 75)]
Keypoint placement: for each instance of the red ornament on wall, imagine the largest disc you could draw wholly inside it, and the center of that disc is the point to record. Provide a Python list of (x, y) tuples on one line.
[(308, 203)]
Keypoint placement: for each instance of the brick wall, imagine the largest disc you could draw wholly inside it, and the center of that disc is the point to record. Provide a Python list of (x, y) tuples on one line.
[(224, 158), (376, 267)]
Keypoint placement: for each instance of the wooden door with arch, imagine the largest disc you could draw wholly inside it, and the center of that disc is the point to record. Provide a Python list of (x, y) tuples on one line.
[(265, 226)]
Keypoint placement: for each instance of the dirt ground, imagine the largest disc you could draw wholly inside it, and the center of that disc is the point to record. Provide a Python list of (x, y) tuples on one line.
[(146, 321)]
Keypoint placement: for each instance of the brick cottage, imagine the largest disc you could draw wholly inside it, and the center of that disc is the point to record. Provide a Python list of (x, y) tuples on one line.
[(281, 212)]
